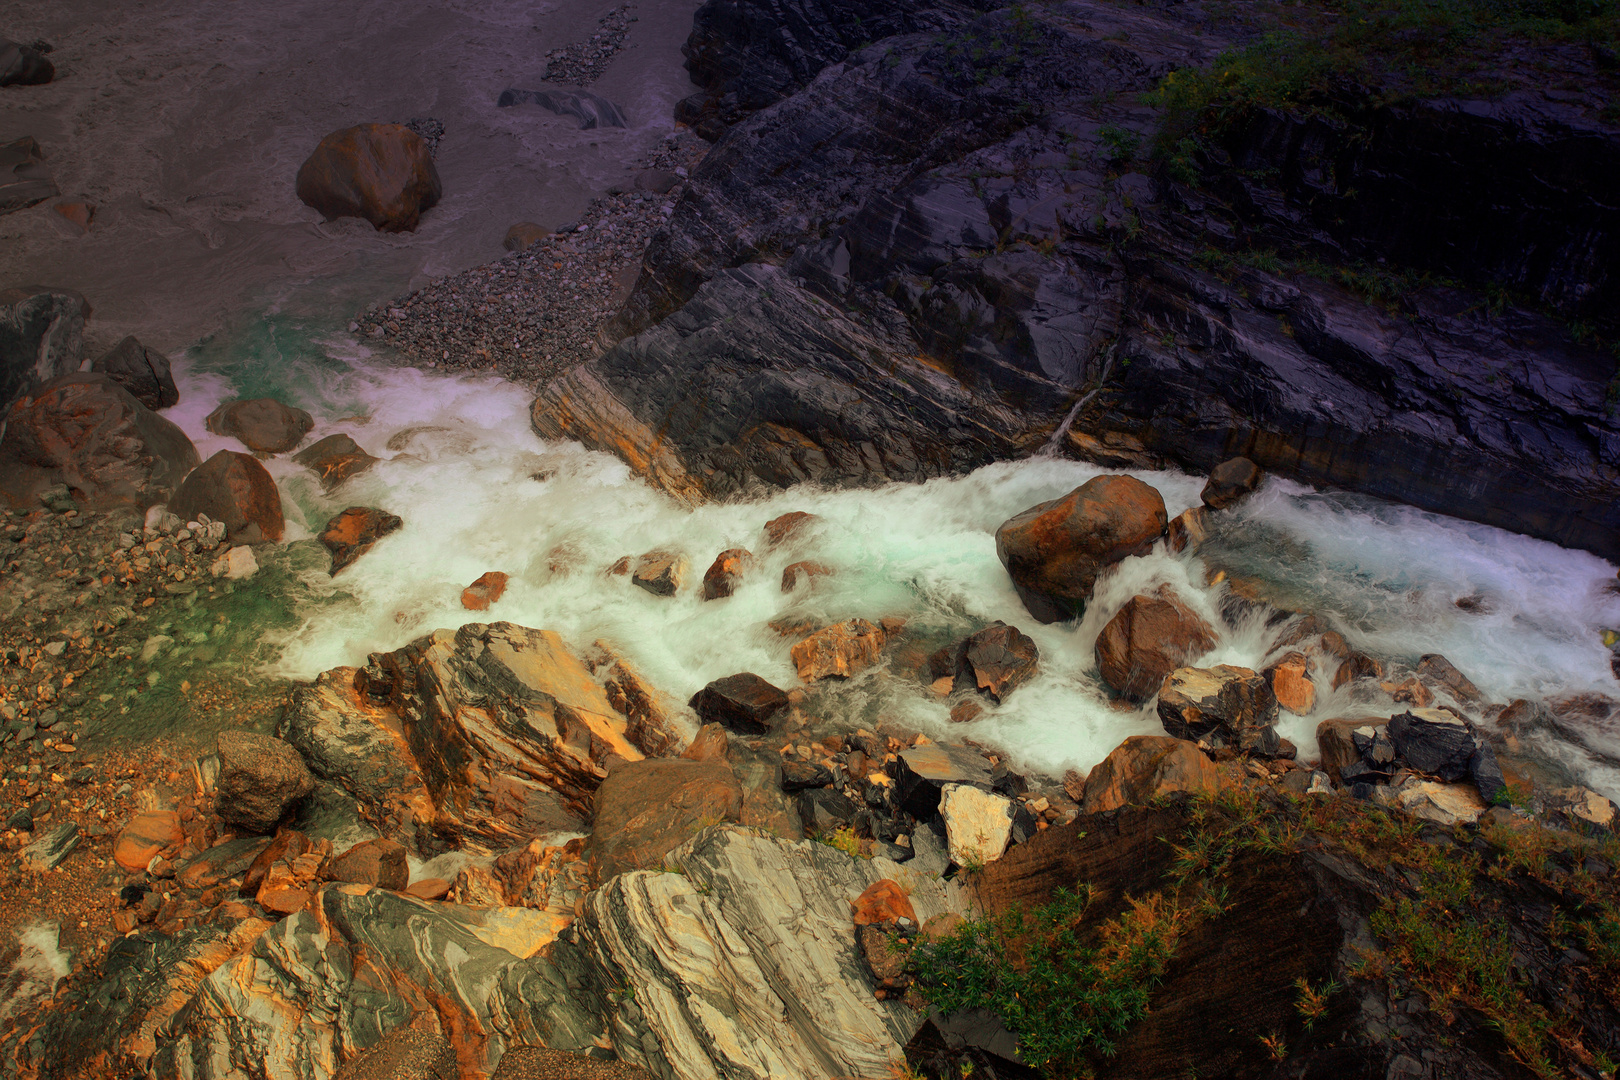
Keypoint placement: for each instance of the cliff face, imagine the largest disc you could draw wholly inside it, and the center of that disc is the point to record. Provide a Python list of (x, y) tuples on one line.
[(922, 259)]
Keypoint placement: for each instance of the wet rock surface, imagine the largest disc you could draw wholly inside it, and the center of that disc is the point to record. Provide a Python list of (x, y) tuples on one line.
[(356, 531), (41, 337), (1146, 640), (263, 425), (743, 702), (1224, 705)]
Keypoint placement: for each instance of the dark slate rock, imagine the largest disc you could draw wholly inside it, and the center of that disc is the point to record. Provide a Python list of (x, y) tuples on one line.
[(744, 703), (47, 852), (143, 372), (922, 772), (1434, 742), (1230, 481), (41, 333), (1487, 774), (24, 65), (971, 1042), (799, 775), (824, 810), (24, 179)]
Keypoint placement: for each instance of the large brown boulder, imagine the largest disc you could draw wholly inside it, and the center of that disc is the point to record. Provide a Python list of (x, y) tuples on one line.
[(87, 432), (380, 172), (726, 573), (1144, 767), (1146, 640), (1054, 551), (1230, 481), (1224, 705), (41, 335), (261, 779), (646, 809), (235, 489), (352, 533), (263, 425), (143, 372)]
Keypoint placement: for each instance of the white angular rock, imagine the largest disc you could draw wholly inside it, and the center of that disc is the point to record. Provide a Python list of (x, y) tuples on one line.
[(978, 824), (1583, 806), (235, 564), (1443, 804)]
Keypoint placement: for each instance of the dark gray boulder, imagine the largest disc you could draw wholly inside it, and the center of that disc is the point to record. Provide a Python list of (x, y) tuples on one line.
[(142, 371), (25, 65), (261, 780), (1434, 742), (41, 336)]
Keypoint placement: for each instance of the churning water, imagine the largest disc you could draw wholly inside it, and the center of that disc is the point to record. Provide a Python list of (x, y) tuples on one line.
[(479, 491)]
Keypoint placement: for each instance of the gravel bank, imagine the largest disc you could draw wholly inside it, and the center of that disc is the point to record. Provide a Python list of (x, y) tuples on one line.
[(535, 313)]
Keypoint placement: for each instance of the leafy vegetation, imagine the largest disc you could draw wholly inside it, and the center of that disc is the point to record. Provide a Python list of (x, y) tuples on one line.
[(1065, 994)]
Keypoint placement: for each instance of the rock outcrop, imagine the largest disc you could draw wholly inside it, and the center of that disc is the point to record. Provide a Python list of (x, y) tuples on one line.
[(24, 65), (24, 179), (484, 736), (89, 433), (381, 172)]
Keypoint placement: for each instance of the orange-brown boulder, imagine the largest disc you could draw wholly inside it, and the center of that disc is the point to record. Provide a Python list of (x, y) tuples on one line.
[(1336, 743), (284, 901), (779, 530), (146, 835), (1054, 551), (380, 172), (1145, 766), (334, 459), (428, 889), (806, 570), (88, 432), (352, 533), (647, 808), (1357, 665), (485, 591), (883, 901), (1291, 683), (840, 650), (524, 235), (1230, 481), (380, 862), (235, 489), (1188, 529), (726, 573), (77, 213), (1146, 640)]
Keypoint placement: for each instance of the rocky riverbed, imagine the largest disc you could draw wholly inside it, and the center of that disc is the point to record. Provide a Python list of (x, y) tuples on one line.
[(842, 596)]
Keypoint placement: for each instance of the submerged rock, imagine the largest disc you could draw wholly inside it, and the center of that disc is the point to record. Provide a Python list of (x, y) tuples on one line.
[(334, 459), (380, 172), (142, 371), (490, 587), (1146, 640), (1055, 551), (1230, 481), (524, 235), (144, 836), (726, 573), (48, 851), (661, 573), (237, 490), (838, 651)]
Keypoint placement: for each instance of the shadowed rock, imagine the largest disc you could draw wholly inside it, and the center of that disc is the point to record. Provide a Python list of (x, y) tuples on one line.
[(24, 65), (380, 172), (41, 335), (142, 371), (589, 109), (1224, 705), (1146, 640), (263, 425), (726, 573), (334, 459), (234, 489), (261, 779), (24, 179), (744, 703), (1230, 481)]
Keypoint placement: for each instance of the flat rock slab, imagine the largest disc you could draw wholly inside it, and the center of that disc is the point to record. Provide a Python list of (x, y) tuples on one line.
[(744, 703)]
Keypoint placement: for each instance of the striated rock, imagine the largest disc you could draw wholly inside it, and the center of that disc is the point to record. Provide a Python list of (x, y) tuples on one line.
[(1188, 530), (334, 459), (1434, 742), (485, 736), (978, 824), (145, 835), (41, 334), (1146, 640), (260, 780), (661, 573), (24, 179), (380, 172), (744, 703), (922, 773), (1291, 683), (354, 532), (524, 235), (805, 570), (724, 968), (1054, 551), (726, 573), (1144, 767), (142, 371), (235, 489), (379, 862), (89, 433), (648, 713), (1223, 705), (48, 851), (263, 425), (1230, 481), (24, 65), (1582, 809), (220, 863), (589, 109), (647, 808), (490, 587), (838, 651)]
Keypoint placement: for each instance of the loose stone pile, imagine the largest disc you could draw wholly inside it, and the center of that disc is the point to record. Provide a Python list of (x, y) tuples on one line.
[(537, 312), (583, 62)]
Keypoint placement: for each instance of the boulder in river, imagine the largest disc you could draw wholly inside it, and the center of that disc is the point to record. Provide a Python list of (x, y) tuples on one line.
[(1055, 551), (922, 772), (353, 532), (1229, 482), (661, 573), (838, 651), (726, 573), (261, 780), (1226, 706), (490, 587), (334, 459), (1144, 767), (41, 337), (381, 172), (994, 661), (24, 179), (263, 425), (24, 65), (1291, 683), (87, 432), (142, 371), (744, 703), (1147, 639), (237, 490)]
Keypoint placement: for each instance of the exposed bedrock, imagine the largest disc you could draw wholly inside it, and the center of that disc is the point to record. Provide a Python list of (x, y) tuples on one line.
[(920, 262)]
